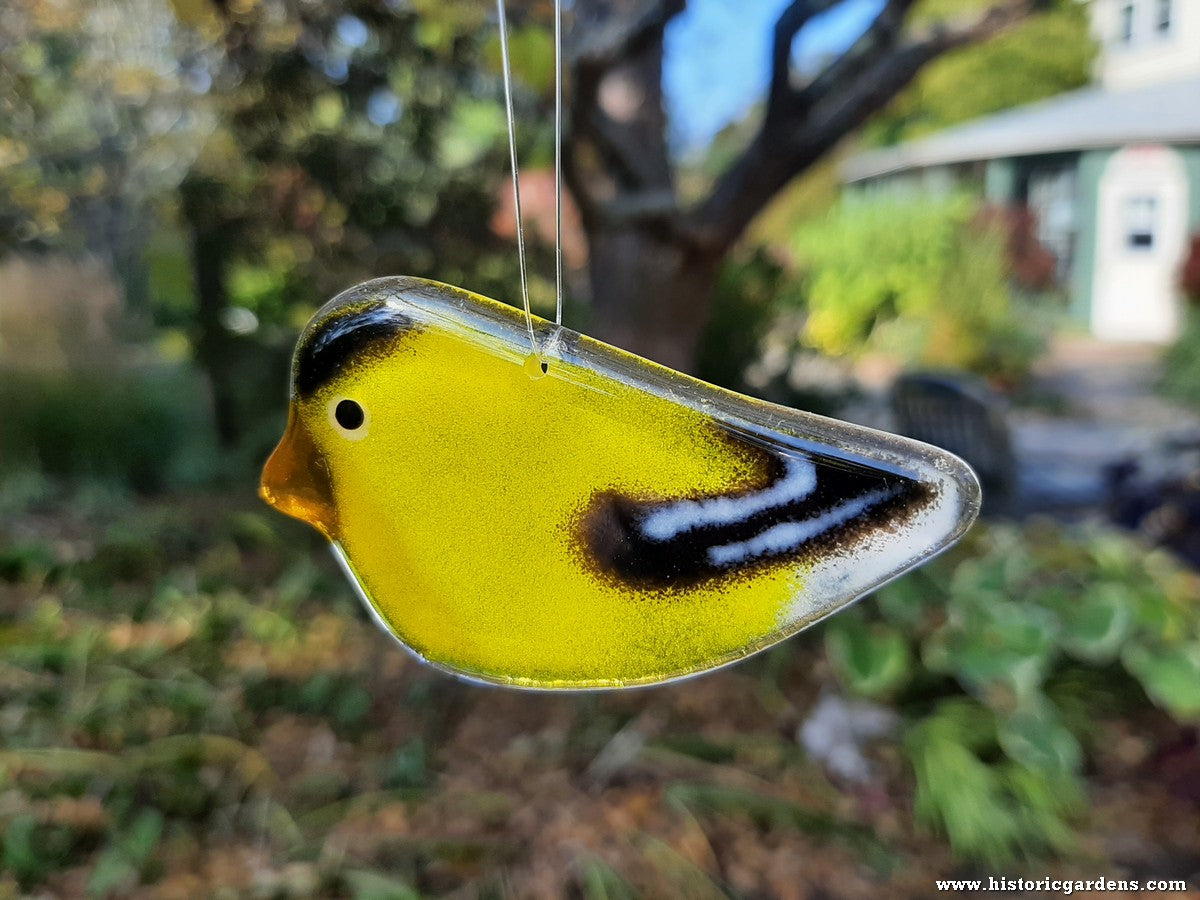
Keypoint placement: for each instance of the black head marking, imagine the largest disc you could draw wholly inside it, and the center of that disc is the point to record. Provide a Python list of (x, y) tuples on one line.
[(343, 338)]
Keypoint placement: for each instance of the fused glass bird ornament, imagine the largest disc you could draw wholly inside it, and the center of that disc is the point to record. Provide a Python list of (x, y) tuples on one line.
[(583, 518)]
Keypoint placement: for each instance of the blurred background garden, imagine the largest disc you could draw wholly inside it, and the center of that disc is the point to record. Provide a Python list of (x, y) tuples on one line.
[(974, 222)]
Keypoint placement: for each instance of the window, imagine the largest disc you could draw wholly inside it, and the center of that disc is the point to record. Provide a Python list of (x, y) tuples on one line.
[(1051, 199), (1162, 18), (1140, 219), (1125, 29)]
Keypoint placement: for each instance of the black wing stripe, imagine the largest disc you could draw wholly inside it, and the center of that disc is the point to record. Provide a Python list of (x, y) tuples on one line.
[(678, 543)]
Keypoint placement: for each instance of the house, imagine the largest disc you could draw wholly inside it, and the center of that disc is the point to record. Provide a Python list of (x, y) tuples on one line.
[(1111, 172)]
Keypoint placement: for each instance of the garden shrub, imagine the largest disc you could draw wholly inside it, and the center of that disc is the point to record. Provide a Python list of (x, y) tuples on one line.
[(1189, 278), (140, 430), (1005, 655), (744, 302), (925, 281), (1181, 376), (1181, 367)]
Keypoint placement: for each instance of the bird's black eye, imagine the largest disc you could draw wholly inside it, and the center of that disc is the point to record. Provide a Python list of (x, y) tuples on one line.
[(349, 415), (348, 418)]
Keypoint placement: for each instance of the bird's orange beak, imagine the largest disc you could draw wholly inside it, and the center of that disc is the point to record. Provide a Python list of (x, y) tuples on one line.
[(296, 480)]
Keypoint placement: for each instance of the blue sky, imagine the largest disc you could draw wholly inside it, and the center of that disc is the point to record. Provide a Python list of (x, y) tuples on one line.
[(717, 60)]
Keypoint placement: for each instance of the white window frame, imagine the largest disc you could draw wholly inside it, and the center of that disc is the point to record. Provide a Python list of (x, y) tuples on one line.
[(1164, 18), (1140, 215), (1127, 16)]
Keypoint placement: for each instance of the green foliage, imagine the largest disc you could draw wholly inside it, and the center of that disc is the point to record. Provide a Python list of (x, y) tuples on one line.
[(120, 866), (872, 660), (139, 431), (1006, 630), (252, 160), (1171, 677), (188, 682), (82, 108), (989, 810), (125, 702), (408, 767), (31, 850), (935, 292), (332, 695), (600, 882), (1181, 375), (1046, 55), (743, 306), (337, 161), (367, 885)]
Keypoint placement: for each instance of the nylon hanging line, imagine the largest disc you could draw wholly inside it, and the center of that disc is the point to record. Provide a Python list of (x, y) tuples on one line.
[(512, 152), (558, 140)]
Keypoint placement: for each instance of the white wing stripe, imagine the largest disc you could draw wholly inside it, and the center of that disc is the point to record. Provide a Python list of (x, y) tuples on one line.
[(790, 535), (798, 481)]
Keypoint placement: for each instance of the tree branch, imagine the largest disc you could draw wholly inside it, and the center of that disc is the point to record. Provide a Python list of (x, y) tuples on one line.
[(882, 34), (841, 98), (620, 45), (659, 207), (605, 42), (789, 24), (626, 155)]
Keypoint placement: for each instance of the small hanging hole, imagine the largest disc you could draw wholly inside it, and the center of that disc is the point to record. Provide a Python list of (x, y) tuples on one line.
[(535, 367)]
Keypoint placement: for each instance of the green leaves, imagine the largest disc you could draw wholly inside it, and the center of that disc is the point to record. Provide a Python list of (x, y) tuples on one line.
[(993, 645), (471, 132), (994, 810), (182, 708), (1170, 675), (872, 660), (1046, 55), (1026, 605), (408, 767), (1181, 375), (936, 292), (956, 791), (1035, 737), (18, 852), (120, 866), (1096, 626), (531, 49), (1027, 630), (364, 884)]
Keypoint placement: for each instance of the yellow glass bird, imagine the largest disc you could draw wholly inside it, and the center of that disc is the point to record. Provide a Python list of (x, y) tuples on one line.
[(582, 518)]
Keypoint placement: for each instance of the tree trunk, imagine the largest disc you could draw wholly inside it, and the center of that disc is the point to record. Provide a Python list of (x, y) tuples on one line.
[(213, 233), (650, 296), (214, 350)]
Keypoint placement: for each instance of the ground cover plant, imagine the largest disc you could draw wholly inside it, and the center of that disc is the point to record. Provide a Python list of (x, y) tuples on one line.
[(191, 702)]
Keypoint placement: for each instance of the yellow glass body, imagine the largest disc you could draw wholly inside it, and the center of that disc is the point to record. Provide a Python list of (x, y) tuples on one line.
[(472, 503)]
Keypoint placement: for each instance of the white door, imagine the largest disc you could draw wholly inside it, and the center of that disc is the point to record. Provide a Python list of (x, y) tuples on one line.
[(1141, 237)]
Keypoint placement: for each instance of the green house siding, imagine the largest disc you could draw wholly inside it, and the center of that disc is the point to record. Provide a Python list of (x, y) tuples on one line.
[(1087, 186), (1000, 181), (1191, 161)]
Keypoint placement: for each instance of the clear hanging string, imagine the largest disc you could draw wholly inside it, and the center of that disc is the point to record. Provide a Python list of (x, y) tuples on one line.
[(558, 145), (516, 178)]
